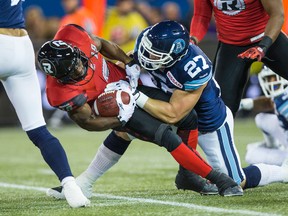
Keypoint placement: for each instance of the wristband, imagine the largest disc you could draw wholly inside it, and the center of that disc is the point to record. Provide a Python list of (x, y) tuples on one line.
[(140, 99), (265, 43), (193, 39), (247, 104)]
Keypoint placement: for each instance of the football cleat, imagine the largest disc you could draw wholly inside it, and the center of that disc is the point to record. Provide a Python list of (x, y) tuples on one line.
[(82, 182), (232, 191), (74, 195), (56, 192), (186, 180), (226, 185)]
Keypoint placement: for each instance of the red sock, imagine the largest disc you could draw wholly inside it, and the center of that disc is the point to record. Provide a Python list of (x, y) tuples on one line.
[(190, 137), (191, 160)]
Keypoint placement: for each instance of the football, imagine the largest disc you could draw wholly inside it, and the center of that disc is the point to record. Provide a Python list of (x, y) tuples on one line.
[(106, 105)]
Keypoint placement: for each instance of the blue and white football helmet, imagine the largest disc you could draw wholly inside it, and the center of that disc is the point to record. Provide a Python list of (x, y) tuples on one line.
[(271, 83), (162, 45)]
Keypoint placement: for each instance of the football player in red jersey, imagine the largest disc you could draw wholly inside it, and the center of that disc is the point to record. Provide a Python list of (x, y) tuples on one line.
[(78, 73), (247, 30)]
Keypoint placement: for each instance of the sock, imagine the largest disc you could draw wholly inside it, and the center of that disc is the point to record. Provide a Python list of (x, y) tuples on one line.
[(191, 160), (271, 173), (51, 150), (189, 137), (106, 157), (67, 179)]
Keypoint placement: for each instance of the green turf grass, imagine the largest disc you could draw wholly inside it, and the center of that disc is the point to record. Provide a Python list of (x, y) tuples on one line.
[(142, 183)]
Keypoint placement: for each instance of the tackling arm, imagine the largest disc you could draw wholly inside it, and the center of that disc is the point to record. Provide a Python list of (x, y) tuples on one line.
[(180, 104), (85, 118)]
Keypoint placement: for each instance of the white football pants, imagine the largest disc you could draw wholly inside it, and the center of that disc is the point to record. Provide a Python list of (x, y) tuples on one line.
[(220, 149), (19, 78)]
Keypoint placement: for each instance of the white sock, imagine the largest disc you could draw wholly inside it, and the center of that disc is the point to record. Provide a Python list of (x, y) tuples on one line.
[(103, 160), (271, 173), (67, 179)]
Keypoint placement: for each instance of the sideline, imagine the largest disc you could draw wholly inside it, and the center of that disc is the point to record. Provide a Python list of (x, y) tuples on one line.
[(151, 201)]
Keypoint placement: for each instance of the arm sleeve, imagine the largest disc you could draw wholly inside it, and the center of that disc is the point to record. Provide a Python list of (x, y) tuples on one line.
[(201, 18), (74, 103)]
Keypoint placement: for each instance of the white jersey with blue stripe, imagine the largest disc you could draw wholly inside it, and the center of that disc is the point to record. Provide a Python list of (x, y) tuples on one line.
[(11, 14), (188, 74), (281, 106)]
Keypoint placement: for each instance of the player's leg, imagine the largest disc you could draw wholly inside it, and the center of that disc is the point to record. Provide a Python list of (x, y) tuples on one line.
[(274, 134), (220, 150), (231, 73), (260, 153), (23, 90), (161, 134), (108, 154), (224, 156)]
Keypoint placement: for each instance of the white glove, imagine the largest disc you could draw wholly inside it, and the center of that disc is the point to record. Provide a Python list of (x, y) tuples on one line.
[(119, 85), (246, 104), (125, 110), (133, 73)]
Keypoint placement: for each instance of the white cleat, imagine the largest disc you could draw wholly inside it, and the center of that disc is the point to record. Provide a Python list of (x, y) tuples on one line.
[(74, 195), (81, 181), (85, 185), (56, 192)]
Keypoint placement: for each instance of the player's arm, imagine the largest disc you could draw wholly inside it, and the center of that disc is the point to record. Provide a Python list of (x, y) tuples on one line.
[(180, 104), (200, 20), (84, 117), (110, 50), (260, 104), (276, 18)]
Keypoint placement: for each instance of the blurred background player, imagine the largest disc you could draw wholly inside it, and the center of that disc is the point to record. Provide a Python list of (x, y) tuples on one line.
[(82, 16), (247, 31), (20, 81), (272, 120), (123, 24)]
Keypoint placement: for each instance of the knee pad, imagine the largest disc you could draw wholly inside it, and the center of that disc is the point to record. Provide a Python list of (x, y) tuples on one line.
[(189, 122), (116, 144), (165, 137)]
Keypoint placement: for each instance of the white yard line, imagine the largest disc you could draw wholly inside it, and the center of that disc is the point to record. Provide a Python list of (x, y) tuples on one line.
[(151, 201)]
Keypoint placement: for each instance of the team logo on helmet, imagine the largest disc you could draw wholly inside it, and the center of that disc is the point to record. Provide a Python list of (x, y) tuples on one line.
[(48, 67), (179, 46)]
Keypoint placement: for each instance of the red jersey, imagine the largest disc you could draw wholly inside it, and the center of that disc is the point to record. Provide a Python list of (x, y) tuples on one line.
[(238, 22), (100, 73)]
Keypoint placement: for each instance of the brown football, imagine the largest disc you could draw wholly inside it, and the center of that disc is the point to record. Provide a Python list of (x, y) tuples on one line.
[(106, 105)]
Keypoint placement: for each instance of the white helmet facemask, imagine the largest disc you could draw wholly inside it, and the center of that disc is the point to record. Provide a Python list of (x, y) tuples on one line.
[(271, 83)]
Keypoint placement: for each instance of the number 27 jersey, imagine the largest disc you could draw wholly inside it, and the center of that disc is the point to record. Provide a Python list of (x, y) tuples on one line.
[(188, 74)]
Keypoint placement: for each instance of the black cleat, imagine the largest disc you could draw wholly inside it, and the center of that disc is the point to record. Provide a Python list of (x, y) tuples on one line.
[(226, 185), (233, 191), (186, 180)]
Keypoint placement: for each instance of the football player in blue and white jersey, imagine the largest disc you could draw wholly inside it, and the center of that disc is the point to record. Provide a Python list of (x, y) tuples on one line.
[(273, 124), (19, 78), (182, 69)]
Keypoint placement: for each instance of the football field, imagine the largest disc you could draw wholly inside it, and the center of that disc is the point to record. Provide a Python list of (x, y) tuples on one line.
[(141, 183)]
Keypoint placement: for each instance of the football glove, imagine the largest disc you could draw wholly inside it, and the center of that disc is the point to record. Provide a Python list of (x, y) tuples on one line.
[(122, 85), (254, 53), (119, 85), (257, 52), (125, 110), (246, 104), (133, 73)]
